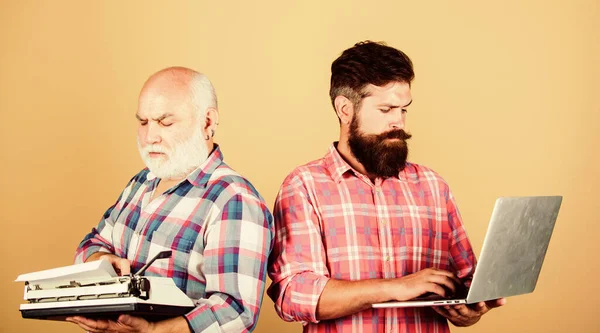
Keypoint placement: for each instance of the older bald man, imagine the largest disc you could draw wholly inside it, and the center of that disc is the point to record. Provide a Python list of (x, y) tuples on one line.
[(187, 200)]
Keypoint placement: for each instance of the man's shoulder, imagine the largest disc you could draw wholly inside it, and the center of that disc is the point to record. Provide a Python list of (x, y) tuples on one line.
[(142, 176), (308, 172), (226, 179), (139, 178), (419, 172)]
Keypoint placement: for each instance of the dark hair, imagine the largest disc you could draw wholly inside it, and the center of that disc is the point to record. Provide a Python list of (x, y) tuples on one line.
[(367, 63)]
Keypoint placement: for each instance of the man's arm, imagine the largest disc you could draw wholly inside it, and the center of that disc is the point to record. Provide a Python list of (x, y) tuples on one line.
[(236, 248), (463, 262), (343, 298), (99, 240), (297, 264), (237, 243)]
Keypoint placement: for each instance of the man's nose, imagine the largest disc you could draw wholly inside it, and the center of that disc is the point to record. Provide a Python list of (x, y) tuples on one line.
[(153, 134), (398, 122)]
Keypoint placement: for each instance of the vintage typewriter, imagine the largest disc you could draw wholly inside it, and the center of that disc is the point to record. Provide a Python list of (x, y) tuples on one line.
[(94, 290)]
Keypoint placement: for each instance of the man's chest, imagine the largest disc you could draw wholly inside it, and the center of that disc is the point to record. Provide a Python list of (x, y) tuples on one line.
[(377, 231)]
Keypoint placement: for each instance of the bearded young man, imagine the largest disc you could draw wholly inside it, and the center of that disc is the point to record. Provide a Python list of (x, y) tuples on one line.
[(362, 225), (189, 201)]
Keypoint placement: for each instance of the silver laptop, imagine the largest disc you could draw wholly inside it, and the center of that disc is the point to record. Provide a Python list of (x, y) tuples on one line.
[(512, 254)]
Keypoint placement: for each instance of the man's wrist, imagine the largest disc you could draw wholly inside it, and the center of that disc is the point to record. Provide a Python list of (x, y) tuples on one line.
[(173, 325), (96, 256)]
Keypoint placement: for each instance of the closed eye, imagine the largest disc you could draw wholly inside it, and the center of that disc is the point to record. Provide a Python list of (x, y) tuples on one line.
[(143, 122)]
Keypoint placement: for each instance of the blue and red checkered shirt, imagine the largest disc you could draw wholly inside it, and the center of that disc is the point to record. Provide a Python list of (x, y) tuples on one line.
[(202, 220)]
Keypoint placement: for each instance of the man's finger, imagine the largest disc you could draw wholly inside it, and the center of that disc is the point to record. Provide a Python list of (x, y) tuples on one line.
[(495, 303), (125, 320), (441, 311), (464, 310), (452, 312), (131, 321), (94, 325), (442, 281), (436, 289), (124, 266), (451, 275), (87, 328)]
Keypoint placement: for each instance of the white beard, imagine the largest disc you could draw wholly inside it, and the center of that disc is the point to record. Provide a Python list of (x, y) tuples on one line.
[(185, 156)]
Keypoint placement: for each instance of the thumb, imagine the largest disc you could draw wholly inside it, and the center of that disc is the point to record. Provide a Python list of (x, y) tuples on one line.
[(123, 265), (480, 306), (495, 303), (126, 320)]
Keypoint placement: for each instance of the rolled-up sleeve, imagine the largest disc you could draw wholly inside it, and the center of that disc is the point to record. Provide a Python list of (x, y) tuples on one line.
[(94, 241), (100, 238), (297, 265)]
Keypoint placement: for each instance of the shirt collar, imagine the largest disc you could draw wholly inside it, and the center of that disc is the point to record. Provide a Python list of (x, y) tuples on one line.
[(336, 165)]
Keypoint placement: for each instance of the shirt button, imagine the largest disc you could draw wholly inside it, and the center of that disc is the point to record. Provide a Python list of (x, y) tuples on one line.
[(387, 258)]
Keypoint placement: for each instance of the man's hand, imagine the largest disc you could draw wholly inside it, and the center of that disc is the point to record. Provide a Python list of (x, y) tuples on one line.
[(430, 280), (125, 324), (121, 265), (342, 298), (464, 315)]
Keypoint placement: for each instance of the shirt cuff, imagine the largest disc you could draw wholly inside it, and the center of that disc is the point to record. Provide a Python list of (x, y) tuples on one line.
[(84, 254), (305, 290), (202, 319)]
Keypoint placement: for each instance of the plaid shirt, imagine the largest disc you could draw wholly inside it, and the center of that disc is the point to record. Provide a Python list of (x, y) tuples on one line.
[(332, 222), (202, 221)]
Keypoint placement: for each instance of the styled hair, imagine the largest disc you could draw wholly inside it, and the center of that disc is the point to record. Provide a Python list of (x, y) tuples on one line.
[(367, 63)]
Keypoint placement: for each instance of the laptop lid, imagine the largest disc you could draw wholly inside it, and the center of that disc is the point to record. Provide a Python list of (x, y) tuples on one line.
[(514, 247), (513, 251)]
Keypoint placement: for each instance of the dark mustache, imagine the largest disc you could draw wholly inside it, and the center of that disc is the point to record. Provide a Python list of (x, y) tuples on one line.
[(395, 134)]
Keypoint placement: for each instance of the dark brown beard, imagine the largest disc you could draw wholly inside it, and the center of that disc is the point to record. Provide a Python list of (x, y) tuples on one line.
[(380, 156)]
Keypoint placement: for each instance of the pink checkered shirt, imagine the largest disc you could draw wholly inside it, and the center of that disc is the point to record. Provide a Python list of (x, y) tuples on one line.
[(332, 222)]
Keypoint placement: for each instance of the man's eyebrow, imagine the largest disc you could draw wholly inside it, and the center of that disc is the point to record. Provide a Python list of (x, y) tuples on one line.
[(393, 106), (164, 116)]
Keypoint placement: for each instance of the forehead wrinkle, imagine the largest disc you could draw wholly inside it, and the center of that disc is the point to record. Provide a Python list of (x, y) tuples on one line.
[(159, 104)]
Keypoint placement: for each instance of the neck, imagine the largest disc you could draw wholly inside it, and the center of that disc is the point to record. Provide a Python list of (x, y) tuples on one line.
[(168, 183)]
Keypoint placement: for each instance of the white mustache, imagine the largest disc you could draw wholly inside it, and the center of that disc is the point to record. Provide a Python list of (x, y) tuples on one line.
[(154, 149)]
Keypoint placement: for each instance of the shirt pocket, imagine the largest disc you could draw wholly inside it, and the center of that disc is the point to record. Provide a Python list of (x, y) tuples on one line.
[(175, 267)]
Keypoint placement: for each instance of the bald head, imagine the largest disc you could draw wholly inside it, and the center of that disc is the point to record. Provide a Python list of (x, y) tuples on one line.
[(182, 84)]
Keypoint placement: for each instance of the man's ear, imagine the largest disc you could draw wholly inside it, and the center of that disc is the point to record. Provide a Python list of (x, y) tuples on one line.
[(344, 109), (211, 121)]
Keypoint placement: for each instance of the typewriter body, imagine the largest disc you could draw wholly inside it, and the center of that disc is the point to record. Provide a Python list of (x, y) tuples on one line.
[(94, 290)]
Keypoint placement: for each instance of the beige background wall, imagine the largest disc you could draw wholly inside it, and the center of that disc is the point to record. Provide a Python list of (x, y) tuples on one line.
[(505, 103)]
